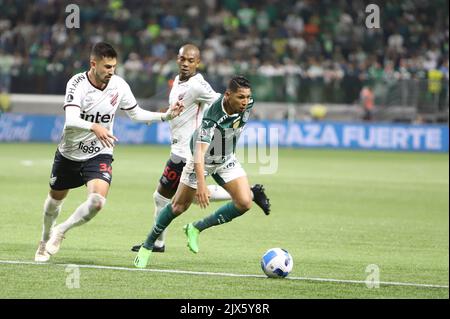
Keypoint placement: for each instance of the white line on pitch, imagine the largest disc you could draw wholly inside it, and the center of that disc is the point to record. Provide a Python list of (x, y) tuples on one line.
[(205, 273)]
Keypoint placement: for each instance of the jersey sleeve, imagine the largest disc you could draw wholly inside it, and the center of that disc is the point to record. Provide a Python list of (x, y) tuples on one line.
[(74, 91), (205, 93), (128, 101), (206, 131)]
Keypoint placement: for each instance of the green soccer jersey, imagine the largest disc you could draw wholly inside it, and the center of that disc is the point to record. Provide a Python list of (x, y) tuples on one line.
[(221, 131)]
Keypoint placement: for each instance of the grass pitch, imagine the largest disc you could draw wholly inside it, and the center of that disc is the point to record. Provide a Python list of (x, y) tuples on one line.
[(336, 212)]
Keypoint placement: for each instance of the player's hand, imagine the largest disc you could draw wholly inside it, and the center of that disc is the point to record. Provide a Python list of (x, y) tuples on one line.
[(174, 110), (202, 195), (103, 135)]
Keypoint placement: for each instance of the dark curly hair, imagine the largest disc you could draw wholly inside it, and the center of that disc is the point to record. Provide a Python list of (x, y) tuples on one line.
[(238, 82)]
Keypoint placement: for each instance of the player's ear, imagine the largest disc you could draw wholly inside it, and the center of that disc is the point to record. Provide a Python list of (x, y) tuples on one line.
[(93, 63)]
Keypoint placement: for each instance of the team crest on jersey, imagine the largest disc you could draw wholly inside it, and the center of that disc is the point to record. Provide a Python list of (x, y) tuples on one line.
[(245, 116), (181, 96), (114, 99)]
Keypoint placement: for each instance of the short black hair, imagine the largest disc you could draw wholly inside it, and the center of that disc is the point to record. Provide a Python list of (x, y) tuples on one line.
[(238, 82), (103, 50)]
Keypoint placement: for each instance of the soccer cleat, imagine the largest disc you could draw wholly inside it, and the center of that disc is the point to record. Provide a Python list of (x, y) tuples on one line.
[(142, 257), (260, 198), (41, 254), (192, 236), (54, 243), (155, 249)]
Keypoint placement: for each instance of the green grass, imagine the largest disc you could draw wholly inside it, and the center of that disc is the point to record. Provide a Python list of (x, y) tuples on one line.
[(336, 212)]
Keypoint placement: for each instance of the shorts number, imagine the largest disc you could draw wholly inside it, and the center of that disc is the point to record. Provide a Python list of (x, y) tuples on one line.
[(170, 174), (105, 168)]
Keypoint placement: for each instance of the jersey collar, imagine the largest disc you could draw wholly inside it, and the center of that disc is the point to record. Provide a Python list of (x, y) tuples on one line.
[(92, 84)]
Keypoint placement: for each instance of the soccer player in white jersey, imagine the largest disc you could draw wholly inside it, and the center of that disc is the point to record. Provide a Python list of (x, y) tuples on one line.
[(197, 95), (84, 154)]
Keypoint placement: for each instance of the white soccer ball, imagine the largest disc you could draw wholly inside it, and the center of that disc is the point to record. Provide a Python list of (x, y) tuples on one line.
[(277, 263)]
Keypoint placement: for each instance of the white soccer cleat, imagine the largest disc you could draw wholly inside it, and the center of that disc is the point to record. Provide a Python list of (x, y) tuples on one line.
[(54, 243), (41, 255)]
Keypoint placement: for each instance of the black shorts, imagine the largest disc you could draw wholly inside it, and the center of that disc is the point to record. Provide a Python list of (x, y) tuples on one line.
[(170, 178), (68, 174)]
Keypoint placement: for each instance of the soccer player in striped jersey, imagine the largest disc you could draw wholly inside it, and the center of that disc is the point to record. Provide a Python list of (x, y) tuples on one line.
[(213, 148), (197, 95), (85, 152)]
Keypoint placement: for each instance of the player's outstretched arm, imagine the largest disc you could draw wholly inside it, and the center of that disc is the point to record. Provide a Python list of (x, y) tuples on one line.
[(202, 195), (174, 110), (140, 115)]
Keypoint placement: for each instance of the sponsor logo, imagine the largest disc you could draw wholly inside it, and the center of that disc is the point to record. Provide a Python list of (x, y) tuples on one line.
[(75, 83), (88, 149), (107, 176), (231, 164), (97, 117), (69, 98)]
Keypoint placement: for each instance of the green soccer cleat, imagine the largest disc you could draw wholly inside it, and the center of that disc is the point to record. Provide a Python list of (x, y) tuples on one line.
[(142, 257), (192, 236)]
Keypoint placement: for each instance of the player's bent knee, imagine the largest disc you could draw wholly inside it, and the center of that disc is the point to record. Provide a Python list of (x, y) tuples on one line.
[(243, 205), (178, 208), (96, 201), (55, 195)]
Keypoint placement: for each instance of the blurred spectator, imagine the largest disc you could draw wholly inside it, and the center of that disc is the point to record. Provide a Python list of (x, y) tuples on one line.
[(324, 43), (367, 100), (6, 64)]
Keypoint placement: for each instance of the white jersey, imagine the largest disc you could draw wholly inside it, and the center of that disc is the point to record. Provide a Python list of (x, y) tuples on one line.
[(197, 95), (96, 106)]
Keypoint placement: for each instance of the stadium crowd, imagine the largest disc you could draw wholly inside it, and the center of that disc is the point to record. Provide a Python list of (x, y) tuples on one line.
[(325, 42)]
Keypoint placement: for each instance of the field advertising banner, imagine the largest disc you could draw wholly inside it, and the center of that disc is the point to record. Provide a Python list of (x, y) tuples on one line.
[(339, 135)]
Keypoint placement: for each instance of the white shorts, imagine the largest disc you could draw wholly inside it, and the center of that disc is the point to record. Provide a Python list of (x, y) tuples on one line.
[(222, 174)]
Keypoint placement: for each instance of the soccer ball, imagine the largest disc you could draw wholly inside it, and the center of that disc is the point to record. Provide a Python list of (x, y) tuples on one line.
[(277, 263)]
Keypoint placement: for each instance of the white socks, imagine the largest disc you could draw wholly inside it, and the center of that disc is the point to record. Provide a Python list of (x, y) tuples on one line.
[(84, 213), (160, 202), (52, 208)]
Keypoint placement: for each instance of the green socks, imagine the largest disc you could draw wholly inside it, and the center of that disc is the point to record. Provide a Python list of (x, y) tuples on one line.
[(223, 215), (164, 219)]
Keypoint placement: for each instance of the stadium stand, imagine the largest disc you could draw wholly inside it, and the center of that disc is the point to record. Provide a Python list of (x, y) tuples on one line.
[(298, 52)]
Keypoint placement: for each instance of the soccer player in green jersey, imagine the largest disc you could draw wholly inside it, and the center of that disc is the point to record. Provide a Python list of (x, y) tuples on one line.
[(213, 147)]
